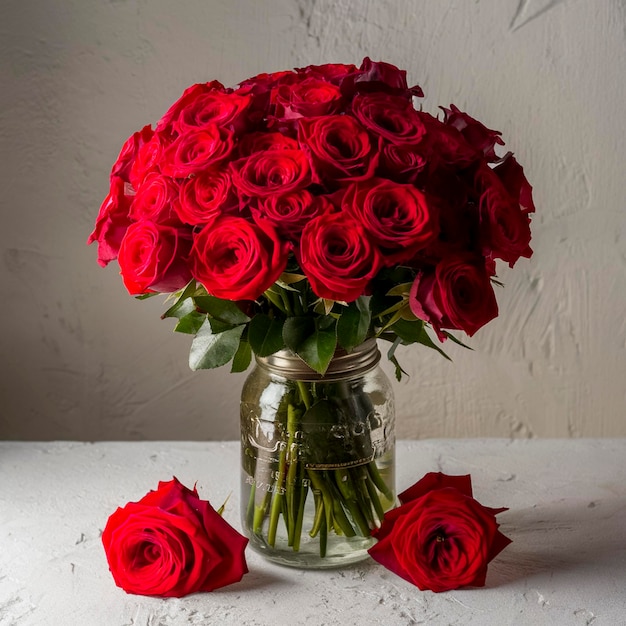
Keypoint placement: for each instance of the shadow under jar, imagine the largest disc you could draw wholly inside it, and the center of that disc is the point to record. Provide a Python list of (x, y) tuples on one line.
[(318, 457)]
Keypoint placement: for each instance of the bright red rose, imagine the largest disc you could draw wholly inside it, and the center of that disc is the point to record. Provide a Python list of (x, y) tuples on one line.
[(339, 148), (291, 212), (236, 259), (338, 257), (310, 97), (456, 295), (504, 226), (205, 196), (396, 216), (156, 200), (476, 134), (196, 150), (171, 543), (112, 221), (440, 538), (261, 142), (390, 117), (122, 166), (271, 172), (148, 159), (189, 96), (153, 257), (227, 110)]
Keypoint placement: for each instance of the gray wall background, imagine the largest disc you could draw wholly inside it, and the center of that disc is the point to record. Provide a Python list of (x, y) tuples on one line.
[(83, 360)]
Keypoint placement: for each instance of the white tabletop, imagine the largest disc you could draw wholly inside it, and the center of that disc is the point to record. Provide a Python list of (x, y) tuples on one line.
[(566, 565)]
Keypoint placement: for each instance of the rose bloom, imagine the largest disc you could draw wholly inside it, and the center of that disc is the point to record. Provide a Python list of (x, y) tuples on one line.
[(511, 174), (112, 221), (339, 148), (122, 166), (397, 217), (205, 196), (148, 159), (156, 200), (236, 259), (391, 117), (171, 543), (261, 142), (338, 257), (272, 172), (456, 295), (310, 97), (291, 212), (440, 538), (153, 257), (402, 163), (215, 107), (475, 133), (196, 150)]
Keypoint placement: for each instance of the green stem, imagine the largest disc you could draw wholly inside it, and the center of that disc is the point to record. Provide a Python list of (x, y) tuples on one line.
[(277, 501), (377, 479)]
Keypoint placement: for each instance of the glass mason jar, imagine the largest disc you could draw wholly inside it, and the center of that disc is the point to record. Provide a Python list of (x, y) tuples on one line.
[(318, 457)]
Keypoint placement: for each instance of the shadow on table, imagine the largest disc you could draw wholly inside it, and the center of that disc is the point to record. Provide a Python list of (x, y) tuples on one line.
[(564, 535)]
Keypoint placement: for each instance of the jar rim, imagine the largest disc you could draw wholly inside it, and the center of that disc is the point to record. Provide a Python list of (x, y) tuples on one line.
[(357, 362)]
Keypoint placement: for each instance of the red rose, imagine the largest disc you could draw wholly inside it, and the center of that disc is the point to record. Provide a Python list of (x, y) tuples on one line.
[(227, 110), (291, 212), (339, 149), (331, 72), (511, 173), (457, 295), (475, 133), (112, 221), (396, 216), (390, 117), (401, 163), (122, 166), (153, 257), (261, 142), (440, 538), (310, 97), (446, 145), (171, 543), (338, 257), (236, 259), (205, 196), (381, 76), (190, 95), (148, 159), (196, 150), (272, 172), (156, 200)]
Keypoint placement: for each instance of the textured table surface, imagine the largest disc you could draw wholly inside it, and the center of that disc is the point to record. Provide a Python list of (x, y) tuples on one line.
[(566, 565)]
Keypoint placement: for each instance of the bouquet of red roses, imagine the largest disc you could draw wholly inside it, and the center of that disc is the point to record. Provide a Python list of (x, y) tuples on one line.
[(320, 195), (312, 210)]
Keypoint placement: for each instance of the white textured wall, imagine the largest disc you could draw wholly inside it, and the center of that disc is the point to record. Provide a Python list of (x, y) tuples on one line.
[(83, 360)]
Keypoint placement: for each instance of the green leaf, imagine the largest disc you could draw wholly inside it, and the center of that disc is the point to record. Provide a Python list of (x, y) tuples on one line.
[(183, 304), (223, 310), (217, 326), (354, 323), (209, 349), (409, 332), (190, 323), (457, 341), (425, 340), (242, 357), (392, 357), (318, 349), (296, 329), (145, 296), (265, 335)]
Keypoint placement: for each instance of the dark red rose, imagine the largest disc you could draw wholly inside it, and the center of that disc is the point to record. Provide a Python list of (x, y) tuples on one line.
[(402, 163), (205, 196), (310, 97), (338, 257), (236, 259), (122, 166), (381, 76), (148, 159), (440, 538), (171, 543), (291, 212), (445, 145), (112, 221), (227, 110), (390, 117), (189, 96), (271, 172), (456, 295), (156, 200), (260, 88), (511, 173), (331, 72), (396, 216), (476, 134), (196, 150), (153, 258), (504, 226), (260, 142), (339, 148)]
